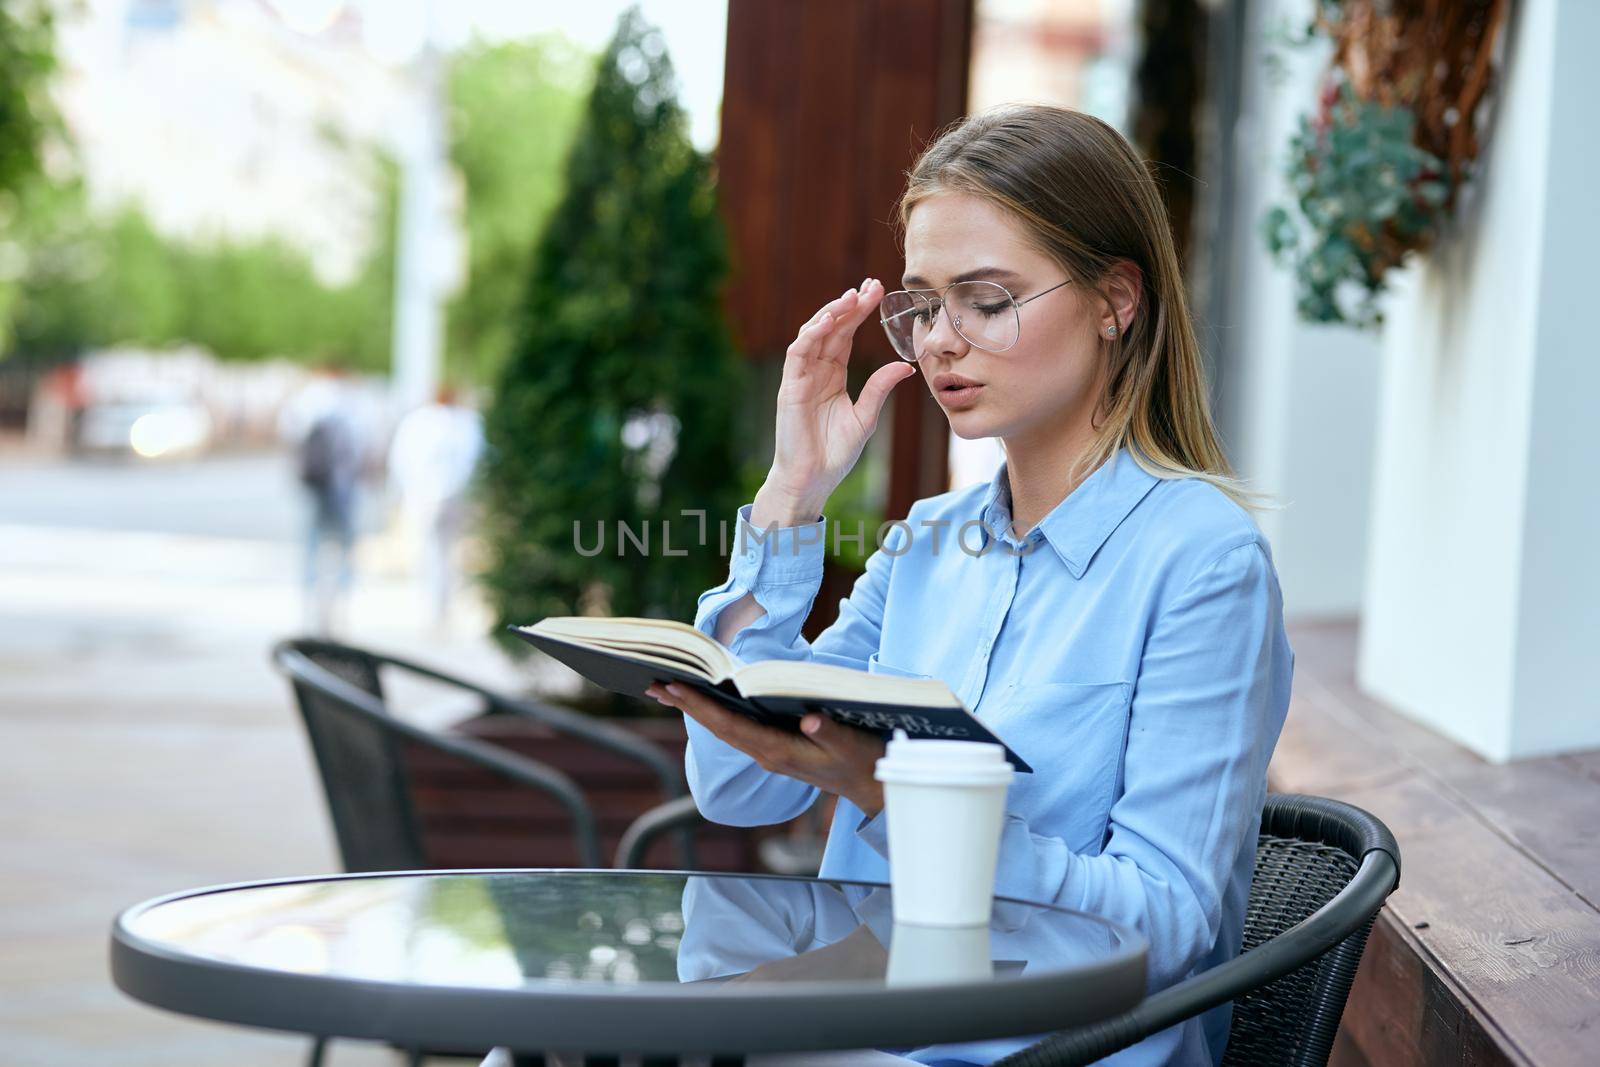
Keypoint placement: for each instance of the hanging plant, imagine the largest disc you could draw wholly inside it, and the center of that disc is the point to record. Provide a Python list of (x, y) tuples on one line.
[(1376, 170)]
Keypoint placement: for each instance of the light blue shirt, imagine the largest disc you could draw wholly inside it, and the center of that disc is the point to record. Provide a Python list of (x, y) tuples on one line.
[(1130, 647)]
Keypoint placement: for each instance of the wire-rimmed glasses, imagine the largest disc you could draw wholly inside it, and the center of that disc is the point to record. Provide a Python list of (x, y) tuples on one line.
[(984, 314)]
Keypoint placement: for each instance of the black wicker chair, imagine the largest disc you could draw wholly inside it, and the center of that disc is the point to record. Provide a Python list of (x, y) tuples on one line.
[(360, 752), (364, 667), (1323, 871)]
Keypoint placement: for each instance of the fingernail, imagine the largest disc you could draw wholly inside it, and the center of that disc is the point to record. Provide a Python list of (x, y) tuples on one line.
[(810, 723), (674, 688)]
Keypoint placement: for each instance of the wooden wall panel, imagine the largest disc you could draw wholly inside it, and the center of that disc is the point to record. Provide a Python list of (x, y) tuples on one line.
[(825, 106)]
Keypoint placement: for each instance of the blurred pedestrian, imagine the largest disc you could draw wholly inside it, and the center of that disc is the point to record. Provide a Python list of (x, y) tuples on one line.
[(431, 462), (329, 452)]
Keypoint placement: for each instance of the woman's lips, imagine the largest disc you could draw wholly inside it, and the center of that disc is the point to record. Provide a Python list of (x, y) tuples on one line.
[(957, 399), (956, 391)]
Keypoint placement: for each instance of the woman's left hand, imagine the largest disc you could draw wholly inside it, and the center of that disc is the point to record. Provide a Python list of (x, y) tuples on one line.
[(836, 759)]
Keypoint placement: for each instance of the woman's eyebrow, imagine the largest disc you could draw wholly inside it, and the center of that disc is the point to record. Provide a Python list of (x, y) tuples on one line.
[(912, 280)]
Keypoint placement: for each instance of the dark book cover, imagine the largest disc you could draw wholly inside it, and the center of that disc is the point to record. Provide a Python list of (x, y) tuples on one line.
[(620, 674)]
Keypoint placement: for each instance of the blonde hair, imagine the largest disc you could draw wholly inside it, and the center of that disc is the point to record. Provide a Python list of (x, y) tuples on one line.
[(1086, 199)]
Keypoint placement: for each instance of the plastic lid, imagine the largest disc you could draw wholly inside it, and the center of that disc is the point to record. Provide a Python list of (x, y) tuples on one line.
[(937, 761)]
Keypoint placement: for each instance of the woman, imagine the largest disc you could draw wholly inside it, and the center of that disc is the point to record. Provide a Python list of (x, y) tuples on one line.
[(1106, 603)]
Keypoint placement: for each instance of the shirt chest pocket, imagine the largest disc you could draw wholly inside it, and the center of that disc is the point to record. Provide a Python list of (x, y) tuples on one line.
[(878, 666), (875, 665), (1074, 734)]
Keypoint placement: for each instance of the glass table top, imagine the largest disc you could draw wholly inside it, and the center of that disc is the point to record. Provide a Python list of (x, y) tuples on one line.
[(617, 931)]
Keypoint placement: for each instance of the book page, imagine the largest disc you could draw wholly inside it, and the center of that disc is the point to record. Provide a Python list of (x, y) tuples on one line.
[(650, 639), (790, 678)]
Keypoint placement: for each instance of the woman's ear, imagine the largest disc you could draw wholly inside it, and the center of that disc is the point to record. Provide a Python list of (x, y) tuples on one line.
[(1123, 286)]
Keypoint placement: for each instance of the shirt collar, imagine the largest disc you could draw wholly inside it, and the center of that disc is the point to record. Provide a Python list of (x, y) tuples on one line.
[(1080, 524)]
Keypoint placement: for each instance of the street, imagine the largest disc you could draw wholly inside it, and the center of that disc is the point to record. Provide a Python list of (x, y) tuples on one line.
[(251, 497), (146, 746)]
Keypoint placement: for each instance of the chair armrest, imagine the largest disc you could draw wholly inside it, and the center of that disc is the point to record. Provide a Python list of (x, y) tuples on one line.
[(1351, 911), (636, 839)]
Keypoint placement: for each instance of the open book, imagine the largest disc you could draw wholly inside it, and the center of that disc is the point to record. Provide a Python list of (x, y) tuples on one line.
[(629, 655)]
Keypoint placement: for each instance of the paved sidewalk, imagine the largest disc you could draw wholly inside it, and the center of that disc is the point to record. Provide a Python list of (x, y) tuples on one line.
[(146, 746)]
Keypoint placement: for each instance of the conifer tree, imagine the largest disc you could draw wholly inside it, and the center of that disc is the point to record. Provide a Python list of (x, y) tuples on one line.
[(618, 401)]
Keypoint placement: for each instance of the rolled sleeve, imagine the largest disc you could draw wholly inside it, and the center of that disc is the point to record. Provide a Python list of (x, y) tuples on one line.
[(782, 569), (777, 554)]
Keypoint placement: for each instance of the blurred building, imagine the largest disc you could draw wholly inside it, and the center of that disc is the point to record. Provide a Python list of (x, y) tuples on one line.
[(1078, 53), (255, 118), (1072, 53), (221, 117), (1431, 470)]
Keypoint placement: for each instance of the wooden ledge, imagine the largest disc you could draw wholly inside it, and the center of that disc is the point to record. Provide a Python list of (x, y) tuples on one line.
[(1489, 952)]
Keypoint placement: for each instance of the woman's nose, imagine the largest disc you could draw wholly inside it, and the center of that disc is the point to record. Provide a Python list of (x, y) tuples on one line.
[(943, 339)]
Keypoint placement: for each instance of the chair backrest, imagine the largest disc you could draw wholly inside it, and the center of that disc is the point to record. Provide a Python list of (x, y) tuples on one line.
[(1323, 870), (360, 759), (357, 666), (1308, 851)]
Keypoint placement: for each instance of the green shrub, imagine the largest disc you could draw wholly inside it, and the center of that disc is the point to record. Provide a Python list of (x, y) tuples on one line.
[(622, 325)]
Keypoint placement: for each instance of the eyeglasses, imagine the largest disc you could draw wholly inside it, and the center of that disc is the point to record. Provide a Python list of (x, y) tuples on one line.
[(984, 314)]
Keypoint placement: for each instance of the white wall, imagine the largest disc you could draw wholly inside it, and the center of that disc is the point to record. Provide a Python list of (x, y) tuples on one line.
[(1298, 401), (1483, 594), (1559, 602)]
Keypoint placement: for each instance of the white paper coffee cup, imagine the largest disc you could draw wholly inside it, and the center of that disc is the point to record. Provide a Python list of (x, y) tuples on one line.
[(945, 803)]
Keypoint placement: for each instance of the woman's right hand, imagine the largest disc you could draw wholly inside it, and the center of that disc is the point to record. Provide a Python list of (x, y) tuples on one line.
[(821, 432)]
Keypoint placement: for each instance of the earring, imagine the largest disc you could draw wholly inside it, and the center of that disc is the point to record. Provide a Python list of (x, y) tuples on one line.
[(1111, 331)]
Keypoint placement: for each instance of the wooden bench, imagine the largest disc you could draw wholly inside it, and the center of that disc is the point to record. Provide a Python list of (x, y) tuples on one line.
[(473, 818)]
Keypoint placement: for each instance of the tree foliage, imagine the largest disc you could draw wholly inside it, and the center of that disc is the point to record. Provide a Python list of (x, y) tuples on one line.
[(27, 116), (618, 401), (84, 279), (513, 108), (73, 279), (96, 280), (27, 120)]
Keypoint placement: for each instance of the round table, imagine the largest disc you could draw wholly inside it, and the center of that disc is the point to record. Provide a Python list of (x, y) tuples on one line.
[(647, 962)]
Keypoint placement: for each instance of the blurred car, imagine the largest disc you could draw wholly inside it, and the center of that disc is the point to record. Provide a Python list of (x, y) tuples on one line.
[(151, 429)]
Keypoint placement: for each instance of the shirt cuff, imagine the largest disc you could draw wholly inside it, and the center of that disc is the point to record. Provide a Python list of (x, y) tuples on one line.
[(875, 832), (776, 555)]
